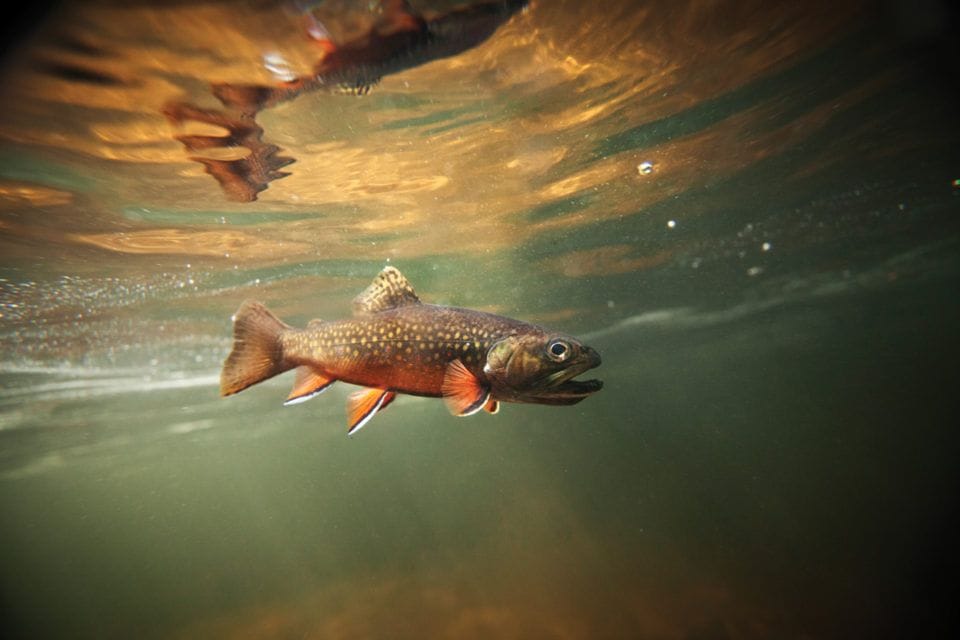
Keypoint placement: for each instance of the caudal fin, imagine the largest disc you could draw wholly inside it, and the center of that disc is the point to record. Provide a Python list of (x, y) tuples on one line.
[(257, 352)]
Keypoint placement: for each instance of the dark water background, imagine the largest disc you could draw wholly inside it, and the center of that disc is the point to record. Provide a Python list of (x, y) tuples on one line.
[(774, 454)]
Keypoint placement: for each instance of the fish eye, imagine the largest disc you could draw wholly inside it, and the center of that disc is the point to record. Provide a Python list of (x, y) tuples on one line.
[(558, 350)]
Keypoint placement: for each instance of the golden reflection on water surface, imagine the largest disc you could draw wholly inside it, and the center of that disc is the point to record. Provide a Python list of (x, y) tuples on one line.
[(448, 157)]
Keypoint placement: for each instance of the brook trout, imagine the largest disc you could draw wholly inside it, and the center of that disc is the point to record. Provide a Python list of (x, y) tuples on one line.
[(396, 344)]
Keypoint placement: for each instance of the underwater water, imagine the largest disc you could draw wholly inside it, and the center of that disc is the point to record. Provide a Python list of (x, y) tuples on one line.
[(750, 209)]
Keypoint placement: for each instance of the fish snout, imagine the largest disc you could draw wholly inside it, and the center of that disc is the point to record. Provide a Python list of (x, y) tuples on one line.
[(592, 356)]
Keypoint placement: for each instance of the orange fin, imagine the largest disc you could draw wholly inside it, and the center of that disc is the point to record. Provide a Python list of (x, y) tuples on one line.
[(461, 390), (363, 405), (319, 33), (257, 353), (308, 383), (492, 406)]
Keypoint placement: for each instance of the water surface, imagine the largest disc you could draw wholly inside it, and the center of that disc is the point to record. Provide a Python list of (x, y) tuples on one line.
[(749, 208)]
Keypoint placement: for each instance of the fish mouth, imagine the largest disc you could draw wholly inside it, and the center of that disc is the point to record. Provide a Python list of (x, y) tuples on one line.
[(569, 392), (560, 388)]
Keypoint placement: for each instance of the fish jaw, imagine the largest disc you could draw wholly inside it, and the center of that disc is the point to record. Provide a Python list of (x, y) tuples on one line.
[(567, 393), (556, 387), (562, 389)]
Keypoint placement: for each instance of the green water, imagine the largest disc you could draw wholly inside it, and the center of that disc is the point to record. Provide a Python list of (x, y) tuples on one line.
[(773, 454)]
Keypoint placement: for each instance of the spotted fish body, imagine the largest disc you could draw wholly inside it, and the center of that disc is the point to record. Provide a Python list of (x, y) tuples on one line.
[(406, 350), (396, 344)]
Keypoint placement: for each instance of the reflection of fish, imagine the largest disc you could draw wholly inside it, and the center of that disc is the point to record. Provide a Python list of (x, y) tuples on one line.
[(396, 344), (401, 39)]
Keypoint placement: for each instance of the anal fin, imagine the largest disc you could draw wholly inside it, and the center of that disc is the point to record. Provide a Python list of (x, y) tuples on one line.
[(462, 391), (363, 405), (308, 383)]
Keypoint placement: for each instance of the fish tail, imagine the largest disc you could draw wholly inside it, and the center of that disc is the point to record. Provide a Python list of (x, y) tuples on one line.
[(257, 349)]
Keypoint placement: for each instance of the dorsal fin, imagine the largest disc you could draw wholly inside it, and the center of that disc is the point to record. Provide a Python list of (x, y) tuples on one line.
[(388, 290)]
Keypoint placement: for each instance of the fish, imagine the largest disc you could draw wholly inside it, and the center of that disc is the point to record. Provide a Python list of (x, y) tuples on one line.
[(403, 38), (395, 344)]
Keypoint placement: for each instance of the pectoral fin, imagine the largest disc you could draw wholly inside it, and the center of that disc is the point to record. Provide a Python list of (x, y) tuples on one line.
[(462, 391), (308, 383), (363, 405)]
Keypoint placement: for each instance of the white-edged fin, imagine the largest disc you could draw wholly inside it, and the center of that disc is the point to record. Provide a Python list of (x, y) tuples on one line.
[(309, 383), (363, 405), (462, 391), (492, 407), (302, 399)]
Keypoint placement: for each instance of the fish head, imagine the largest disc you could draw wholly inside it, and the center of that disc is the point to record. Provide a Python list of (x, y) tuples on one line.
[(539, 368)]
